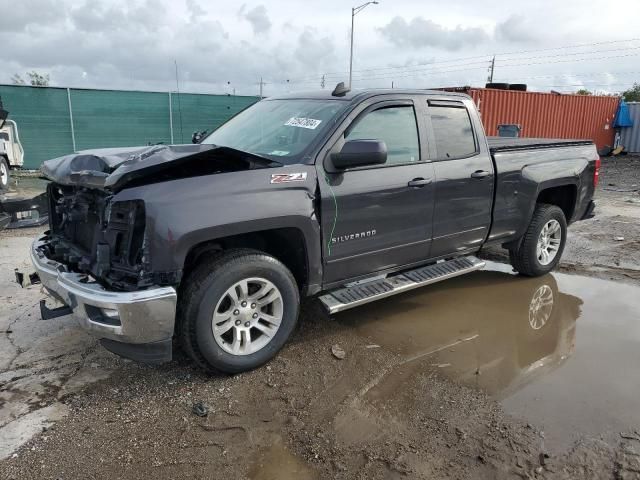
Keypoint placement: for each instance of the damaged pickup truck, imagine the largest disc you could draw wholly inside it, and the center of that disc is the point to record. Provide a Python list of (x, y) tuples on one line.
[(350, 197)]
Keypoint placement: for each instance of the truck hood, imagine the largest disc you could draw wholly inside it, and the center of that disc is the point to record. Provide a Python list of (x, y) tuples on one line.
[(113, 168)]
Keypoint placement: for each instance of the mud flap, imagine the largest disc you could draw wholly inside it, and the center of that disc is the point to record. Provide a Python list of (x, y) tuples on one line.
[(590, 211), (47, 313)]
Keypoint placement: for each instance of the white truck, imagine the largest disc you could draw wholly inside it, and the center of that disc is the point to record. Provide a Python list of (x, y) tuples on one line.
[(11, 151)]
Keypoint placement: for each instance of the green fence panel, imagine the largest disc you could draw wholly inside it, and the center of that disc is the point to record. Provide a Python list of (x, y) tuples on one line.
[(110, 118), (196, 112), (107, 118), (42, 116)]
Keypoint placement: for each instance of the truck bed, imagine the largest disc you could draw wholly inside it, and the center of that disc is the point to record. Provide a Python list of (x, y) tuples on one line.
[(497, 144)]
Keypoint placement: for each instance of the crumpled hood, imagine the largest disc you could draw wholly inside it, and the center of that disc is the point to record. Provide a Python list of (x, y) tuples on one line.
[(111, 168)]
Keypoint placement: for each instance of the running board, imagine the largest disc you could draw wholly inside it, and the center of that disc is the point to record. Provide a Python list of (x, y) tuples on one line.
[(356, 295)]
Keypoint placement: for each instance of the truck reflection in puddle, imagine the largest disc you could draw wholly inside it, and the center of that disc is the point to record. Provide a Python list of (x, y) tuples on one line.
[(515, 338), (490, 329)]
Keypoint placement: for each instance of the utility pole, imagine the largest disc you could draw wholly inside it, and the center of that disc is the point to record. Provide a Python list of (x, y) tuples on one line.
[(179, 101), (353, 15), (322, 81), (354, 12), (491, 69), (262, 84)]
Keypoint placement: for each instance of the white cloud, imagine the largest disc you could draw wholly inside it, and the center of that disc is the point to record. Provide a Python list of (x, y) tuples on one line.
[(257, 17), (517, 29), (420, 33), (133, 43)]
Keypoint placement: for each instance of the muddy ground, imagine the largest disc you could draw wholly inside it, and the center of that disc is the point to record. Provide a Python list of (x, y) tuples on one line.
[(484, 376)]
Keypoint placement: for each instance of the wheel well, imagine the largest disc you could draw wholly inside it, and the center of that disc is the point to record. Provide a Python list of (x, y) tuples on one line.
[(285, 244), (563, 196)]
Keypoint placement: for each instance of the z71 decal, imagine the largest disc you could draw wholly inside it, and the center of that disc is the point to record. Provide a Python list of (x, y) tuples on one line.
[(288, 177)]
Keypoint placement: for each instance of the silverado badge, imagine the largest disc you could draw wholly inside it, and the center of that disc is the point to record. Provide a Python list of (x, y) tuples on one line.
[(353, 236)]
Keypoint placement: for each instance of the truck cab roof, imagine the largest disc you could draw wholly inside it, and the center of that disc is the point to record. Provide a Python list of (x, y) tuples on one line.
[(360, 95)]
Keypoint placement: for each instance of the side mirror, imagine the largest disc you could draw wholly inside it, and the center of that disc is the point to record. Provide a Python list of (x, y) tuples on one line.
[(197, 136), (357, 153)]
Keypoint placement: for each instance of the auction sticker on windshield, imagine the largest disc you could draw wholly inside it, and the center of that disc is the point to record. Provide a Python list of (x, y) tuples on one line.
[(302, 122)]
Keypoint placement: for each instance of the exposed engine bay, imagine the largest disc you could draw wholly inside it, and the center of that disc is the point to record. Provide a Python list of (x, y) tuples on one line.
[(90, 233), (93, 233)]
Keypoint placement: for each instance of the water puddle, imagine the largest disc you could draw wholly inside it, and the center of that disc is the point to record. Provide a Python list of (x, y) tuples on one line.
[(560, 351), (278, 463)]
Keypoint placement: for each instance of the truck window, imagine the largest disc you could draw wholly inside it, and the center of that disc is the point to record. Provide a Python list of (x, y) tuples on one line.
[(396, 126), (453, 132), (4, 136), (281, 130)]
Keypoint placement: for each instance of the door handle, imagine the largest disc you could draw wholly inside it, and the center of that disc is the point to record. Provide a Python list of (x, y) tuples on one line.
[(480, 174), (419, 182)]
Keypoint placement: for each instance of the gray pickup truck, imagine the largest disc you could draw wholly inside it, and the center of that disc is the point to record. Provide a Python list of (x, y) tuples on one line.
[(347, 196)]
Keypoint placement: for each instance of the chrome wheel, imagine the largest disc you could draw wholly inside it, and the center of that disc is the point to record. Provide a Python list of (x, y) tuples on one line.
[(541, 307), (4, 174), (247, 316), (549, 242)]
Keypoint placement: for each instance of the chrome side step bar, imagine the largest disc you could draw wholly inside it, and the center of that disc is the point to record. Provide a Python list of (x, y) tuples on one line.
[(356, 295)]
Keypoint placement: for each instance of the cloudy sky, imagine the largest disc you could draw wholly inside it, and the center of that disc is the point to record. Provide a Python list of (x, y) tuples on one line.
[(222, 46)]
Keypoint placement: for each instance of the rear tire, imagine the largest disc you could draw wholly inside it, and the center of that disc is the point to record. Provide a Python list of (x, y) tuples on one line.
[(237, 310), (5, 174), (547, 232)]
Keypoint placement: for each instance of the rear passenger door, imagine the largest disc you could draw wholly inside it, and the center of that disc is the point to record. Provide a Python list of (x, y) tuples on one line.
[(464, 178)]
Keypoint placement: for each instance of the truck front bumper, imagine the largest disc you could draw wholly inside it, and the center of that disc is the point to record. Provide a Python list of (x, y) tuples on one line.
[(137, 325)]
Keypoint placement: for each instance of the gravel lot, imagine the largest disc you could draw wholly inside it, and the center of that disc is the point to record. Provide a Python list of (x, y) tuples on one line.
[(450, 381)]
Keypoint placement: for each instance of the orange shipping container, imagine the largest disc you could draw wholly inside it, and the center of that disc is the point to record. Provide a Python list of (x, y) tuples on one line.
[(546, 115)]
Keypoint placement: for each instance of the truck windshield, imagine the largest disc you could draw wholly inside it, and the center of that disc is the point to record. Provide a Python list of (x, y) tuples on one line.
[(280, 130)]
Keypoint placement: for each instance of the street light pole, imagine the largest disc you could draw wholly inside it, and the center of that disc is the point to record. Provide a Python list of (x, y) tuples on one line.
[(353, 15), (354, 12)]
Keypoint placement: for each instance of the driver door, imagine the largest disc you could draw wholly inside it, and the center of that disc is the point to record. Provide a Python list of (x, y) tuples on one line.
[(378, 218)]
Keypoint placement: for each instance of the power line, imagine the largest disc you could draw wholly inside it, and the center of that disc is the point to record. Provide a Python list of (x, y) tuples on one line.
[(475, 66), (593, 74), (488, 56), (361, 73), (572, 60), (587, 56), (571, 54), (570, 46), (426, 72)]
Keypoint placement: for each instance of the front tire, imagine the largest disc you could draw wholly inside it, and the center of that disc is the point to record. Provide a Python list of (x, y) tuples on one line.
[(542, 245), (4, 174), (237, 311)]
